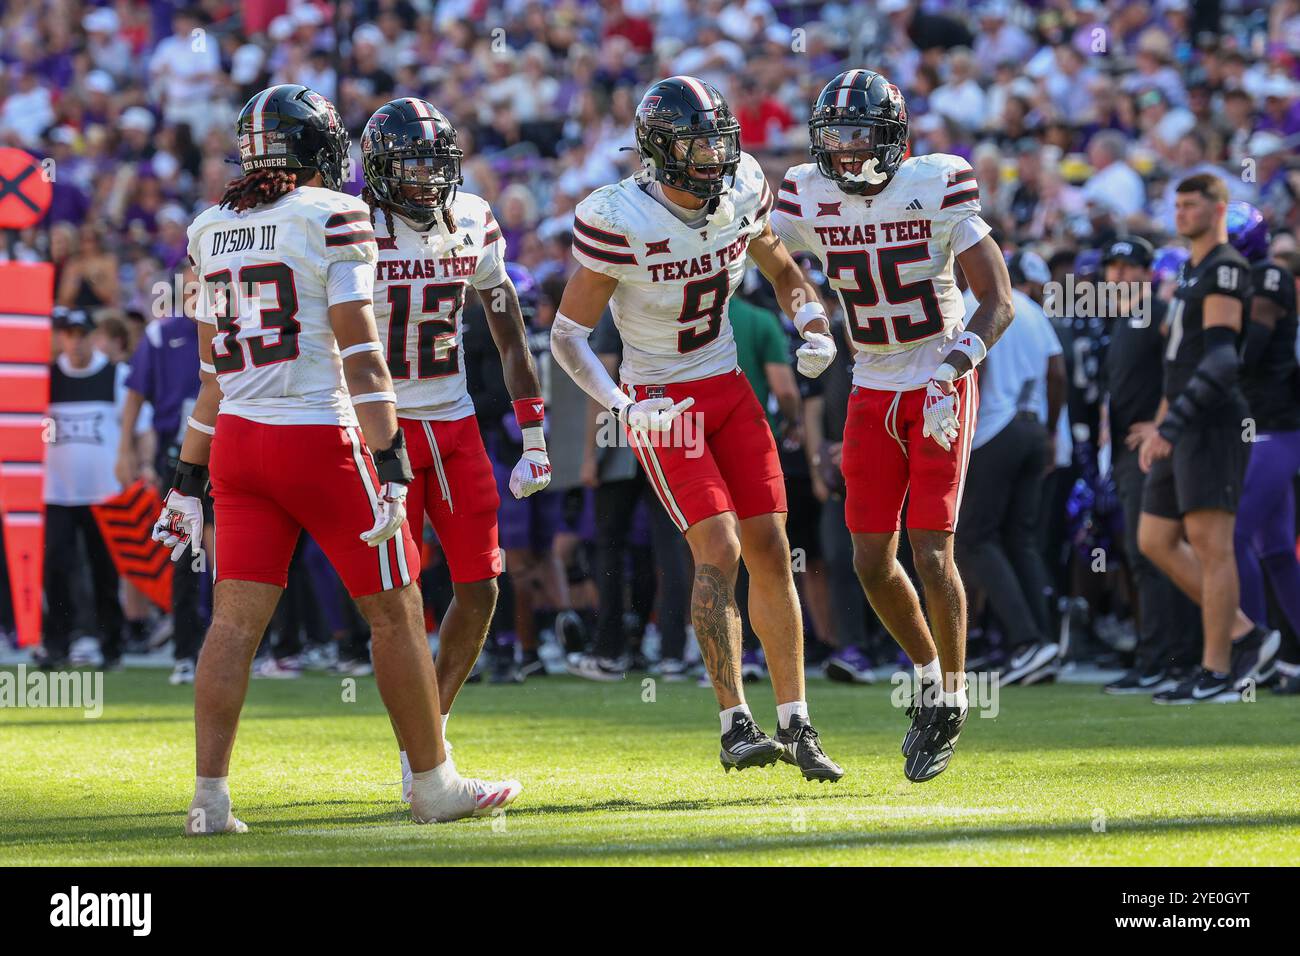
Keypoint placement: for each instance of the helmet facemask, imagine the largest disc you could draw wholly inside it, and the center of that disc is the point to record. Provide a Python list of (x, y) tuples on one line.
[(859, 153), (420, 184)]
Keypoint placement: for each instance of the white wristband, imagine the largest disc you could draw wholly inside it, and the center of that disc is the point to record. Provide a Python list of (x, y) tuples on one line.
[(362, 347), (207, 367), (807, 313), (198, 426), (374, 397), (972, 346)]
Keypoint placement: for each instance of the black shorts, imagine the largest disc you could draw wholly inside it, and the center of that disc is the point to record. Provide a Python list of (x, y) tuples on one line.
[(1205, 471)]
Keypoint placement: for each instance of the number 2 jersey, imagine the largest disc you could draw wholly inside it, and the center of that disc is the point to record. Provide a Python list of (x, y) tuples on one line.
[(1269, 382), (1223, 271), (420, 285), (269, 276), (673, 279), (889, 257)]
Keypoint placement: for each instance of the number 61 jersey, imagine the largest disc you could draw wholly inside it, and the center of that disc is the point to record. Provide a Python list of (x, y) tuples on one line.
[(673, 279), (420, 286), (889, 258), (268, 280)]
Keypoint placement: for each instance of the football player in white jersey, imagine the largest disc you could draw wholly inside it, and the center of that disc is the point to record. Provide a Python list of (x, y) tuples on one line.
[(436, 242), (887, 229), (665, 249), (295, 395)]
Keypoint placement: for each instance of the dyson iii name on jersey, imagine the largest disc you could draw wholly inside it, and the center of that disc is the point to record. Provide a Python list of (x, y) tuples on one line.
[(227, 242), (910, 230), (396, 270), (699, 266)]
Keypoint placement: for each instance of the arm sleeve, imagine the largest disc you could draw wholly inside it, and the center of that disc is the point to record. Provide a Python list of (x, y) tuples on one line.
[(571, 347), (1212, 379), (350, 280)]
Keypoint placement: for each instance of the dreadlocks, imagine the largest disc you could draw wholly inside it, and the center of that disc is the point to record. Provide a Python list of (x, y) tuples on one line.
[(258, 188), (369, 199)]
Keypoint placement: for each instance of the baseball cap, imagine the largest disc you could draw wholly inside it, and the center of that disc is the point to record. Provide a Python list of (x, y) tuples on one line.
[(1131, 249), (63, 318), (1027, 266)]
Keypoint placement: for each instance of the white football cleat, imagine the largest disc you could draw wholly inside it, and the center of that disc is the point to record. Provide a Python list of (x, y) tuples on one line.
[(442, 795)]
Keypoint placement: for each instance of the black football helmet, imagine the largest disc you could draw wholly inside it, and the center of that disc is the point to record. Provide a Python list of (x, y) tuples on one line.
[(858, 112), (686, 130), (292, 127), (410, 158)]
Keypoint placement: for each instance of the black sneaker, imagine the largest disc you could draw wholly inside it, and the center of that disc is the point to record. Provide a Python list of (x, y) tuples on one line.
[(928, 691), (530, 665), (1203, 687), (1286, 683), (1253, 654), (1137, 682), (744, 745), (940, 730), (804, 750)]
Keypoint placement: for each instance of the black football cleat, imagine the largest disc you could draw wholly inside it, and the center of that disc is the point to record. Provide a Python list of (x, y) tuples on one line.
[(1202, 687), (927, 691), (1138, 681), (935, 744), (744, 746), (803, 748), (1252, 656)]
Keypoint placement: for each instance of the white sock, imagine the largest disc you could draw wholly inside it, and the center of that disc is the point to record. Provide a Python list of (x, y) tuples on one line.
[(786, 712), (406, 764), (731, 712), (445, 718), (929, 672), (955, 698)]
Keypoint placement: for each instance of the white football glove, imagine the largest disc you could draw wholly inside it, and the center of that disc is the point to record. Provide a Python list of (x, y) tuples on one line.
[(180, 523), (531, 473), (390, 512), (815, 355), (940, 409), (654, 414)]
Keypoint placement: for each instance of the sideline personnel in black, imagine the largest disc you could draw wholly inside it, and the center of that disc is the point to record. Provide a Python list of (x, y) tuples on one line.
[(1166, 619), (1195, 458)]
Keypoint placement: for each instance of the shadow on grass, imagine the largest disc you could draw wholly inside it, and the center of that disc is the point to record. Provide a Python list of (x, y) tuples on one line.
[(520, 847)]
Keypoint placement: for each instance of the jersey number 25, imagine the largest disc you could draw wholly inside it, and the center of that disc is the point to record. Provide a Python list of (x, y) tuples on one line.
[(872, 330)]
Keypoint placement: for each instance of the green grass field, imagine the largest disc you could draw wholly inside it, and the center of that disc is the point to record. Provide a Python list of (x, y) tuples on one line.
[(1063, 775)]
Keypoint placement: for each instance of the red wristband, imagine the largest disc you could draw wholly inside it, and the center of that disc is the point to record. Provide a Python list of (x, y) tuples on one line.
[(529, 411)]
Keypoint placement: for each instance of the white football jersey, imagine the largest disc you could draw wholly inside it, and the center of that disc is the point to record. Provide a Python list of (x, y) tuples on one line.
[(265, 276), (420, 285), (673, 279), (889, 257)]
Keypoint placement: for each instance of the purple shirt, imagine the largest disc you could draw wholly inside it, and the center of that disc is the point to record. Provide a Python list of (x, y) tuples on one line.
[(165, 370)]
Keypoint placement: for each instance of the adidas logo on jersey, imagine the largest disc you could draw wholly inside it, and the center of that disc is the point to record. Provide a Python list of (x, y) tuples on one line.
[(914, 204)]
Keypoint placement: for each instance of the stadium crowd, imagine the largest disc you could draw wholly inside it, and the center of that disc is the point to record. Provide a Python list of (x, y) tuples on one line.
[(1079, 117)]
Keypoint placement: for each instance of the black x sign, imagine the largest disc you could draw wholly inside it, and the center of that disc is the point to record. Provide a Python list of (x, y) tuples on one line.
[(9, 187)]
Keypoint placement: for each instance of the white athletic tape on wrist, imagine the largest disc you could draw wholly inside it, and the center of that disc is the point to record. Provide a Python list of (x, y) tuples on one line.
[(198, 426), (362, 347), (374, 397), (807, 313), (207, 367), (945, 373), (534, 438)]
